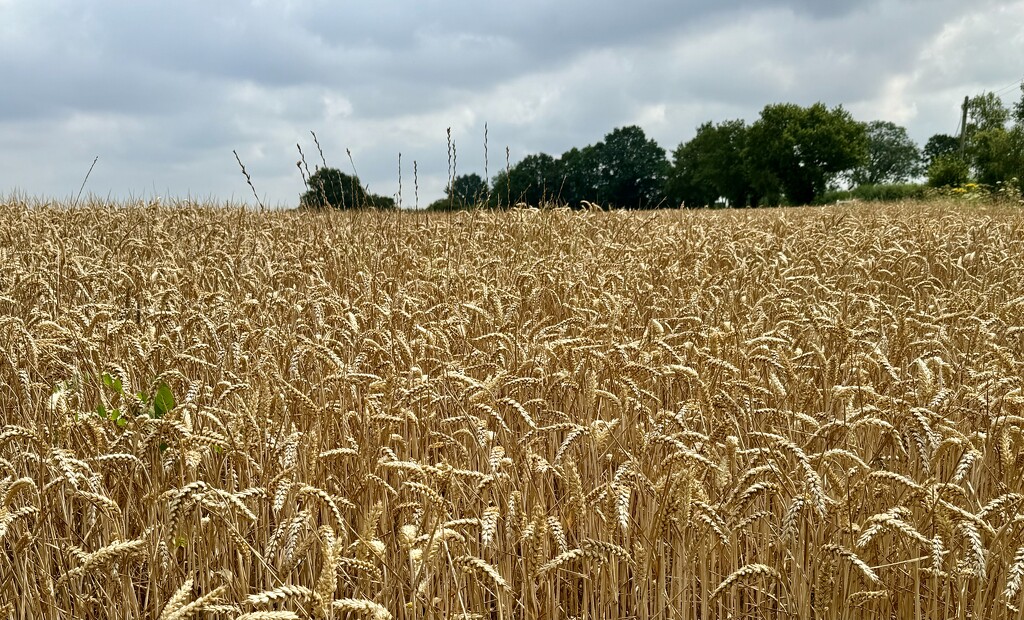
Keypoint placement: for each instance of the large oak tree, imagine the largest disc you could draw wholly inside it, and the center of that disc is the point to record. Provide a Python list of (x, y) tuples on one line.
[(797, 151)]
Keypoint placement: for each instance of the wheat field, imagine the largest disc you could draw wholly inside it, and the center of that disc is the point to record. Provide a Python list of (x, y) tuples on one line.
[(210, 412)]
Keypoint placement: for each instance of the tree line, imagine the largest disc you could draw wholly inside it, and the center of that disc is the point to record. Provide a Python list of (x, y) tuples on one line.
[(789, 155)]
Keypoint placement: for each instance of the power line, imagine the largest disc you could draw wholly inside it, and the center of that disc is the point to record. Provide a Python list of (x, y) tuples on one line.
[(1011, 86), (960, 124)]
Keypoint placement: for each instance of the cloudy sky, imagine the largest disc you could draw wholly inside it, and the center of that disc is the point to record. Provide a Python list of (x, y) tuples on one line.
[(163, 91)]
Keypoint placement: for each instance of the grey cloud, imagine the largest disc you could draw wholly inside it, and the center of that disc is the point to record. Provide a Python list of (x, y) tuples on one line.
[(131, 47), (164, 93)]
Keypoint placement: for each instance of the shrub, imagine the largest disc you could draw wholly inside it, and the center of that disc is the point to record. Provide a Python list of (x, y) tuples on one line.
[(894, 192), (890, 192), (948, 171)]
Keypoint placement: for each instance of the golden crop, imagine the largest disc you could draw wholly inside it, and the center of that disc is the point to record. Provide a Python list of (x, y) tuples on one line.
[(217, 413)]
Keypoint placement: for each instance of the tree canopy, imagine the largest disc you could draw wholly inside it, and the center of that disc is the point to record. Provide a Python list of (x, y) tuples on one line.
[(1018, 108), (990, 150), (631, 170), (466, 191), (330, 188), (940, 145), (789, 155), (626, 170), (578, 171), (892, 157), (469, 189), (984, 112), (796, 151), (712, 166), (534, 181)]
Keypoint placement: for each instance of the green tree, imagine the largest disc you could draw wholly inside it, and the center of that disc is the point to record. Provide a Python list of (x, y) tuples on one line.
[(984, 112), (468, 189), (501, 190), (1017, 156), (378, 201), (939, 145), (948, 171), (993, 147), (993, 156), (625, 170), (534, 180), (1018, 108), (687, 184), (578, 171), (710, 166), (332, 188), (892, 157), (631, 170), (1017, 141), (799, 150)]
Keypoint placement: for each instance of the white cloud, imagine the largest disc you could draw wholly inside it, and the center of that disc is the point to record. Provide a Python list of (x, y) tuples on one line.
[(894, 104)]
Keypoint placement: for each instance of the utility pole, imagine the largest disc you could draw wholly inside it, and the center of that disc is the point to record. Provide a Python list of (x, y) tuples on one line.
[(963, 128)]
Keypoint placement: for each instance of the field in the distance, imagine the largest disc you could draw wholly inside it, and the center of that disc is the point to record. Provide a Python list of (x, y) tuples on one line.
[(807, 413)]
